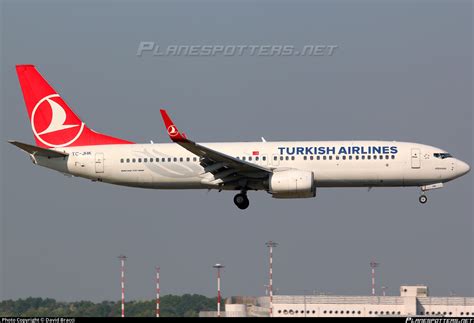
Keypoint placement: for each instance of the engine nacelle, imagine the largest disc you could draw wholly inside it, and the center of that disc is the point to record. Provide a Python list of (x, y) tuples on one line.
[(292, 183)]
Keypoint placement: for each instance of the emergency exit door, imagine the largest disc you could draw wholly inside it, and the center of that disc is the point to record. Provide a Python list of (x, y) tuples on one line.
[(99, 162), (415, 158)]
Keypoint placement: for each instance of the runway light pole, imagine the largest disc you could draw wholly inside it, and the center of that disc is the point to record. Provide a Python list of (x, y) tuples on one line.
[(218, 267), (373, 265), (157, 291), (271, 244), (122, 281)]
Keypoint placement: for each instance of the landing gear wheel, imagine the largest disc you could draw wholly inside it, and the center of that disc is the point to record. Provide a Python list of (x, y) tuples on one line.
[(423, 199), (241, 201)]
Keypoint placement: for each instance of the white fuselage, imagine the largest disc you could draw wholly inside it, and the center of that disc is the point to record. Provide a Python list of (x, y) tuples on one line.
[(334, 163)]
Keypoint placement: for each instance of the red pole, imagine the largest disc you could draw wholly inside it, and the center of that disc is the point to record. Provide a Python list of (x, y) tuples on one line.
[(218, 292), (218, 267), (122, 281), (271, 281), (271, 244), (373, 264), (157, 291)]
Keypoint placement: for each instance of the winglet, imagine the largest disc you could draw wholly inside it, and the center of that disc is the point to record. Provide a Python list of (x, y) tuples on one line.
[(172, 130)]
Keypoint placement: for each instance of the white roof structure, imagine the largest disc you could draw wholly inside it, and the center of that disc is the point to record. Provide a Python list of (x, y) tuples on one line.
[(413, 301)]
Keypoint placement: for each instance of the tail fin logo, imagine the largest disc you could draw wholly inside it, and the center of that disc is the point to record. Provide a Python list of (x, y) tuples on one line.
[(50, 125), (172, 131)]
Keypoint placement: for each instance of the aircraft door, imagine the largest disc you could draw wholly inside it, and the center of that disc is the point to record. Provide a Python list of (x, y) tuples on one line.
[(415, 158), (99, 162)]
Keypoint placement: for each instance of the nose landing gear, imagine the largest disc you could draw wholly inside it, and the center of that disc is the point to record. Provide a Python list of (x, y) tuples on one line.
[(423, 199), (241, 200)]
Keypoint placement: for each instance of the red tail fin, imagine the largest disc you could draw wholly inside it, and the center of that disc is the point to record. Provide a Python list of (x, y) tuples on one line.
[(54, 124)]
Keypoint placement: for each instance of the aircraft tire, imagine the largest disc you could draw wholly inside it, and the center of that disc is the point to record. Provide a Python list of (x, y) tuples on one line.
[(242, 201), (423, 199)]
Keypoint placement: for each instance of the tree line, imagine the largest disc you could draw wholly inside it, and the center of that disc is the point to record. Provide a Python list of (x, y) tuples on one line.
[(186, 305)]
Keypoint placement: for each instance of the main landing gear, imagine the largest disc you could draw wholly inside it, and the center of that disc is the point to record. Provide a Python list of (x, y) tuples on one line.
[(241, 200)]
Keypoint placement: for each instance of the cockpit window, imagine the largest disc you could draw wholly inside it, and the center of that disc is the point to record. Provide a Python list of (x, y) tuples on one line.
[(442, 155)]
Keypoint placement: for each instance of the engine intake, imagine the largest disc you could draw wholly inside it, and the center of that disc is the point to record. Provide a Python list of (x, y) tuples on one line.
[(292, 184)]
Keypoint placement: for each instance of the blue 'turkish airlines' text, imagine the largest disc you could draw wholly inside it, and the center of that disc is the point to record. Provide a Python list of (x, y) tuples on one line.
[(343, 150)]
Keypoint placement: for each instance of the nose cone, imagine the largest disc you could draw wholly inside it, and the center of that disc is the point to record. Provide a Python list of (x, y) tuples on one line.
[(463, 168)]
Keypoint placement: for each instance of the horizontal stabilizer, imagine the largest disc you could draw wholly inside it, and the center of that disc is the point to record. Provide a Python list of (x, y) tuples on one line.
[(38, 151)]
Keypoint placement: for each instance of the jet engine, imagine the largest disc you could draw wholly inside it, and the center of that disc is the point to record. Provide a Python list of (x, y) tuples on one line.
[(292, 183)]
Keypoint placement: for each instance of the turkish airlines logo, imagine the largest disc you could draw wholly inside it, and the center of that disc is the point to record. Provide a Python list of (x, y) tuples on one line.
[(173, 131), (50, 125)]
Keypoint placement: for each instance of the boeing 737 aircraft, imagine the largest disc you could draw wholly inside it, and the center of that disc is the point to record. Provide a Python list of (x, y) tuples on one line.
[(284, 169)]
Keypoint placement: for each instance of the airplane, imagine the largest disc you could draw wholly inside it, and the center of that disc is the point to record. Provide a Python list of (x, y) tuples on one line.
[(284, 169)]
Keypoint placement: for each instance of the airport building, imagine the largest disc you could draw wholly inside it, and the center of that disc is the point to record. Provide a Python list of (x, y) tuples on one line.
[(413, 301)]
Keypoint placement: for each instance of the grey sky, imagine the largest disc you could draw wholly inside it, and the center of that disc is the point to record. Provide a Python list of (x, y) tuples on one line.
[(403, 71)]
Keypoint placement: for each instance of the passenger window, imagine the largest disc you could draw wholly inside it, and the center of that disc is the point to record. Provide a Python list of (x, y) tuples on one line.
[(175, 159), (305, 158), (250, 158), (128, 160), (393, 156), (264, 158), (344, 157), (362, 157), (121, 160), (133, 160), (330, 157), (386, 157), (350, 157), (194, 158), (368, 156), (357, 157), (318, 158), (139, 160), (181, 159), (337, 157), (275, 157), (163, 159), (287, 158), (256, 158), (324, 157), (375, 156), (311, 157), (380, 157), (292, 157), (281, 158), (145, 160), (169, 160), (188, 159), (243, 158)]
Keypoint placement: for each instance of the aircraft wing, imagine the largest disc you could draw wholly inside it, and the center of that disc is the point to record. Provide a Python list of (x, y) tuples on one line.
[(211, 159), (38, 151)]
